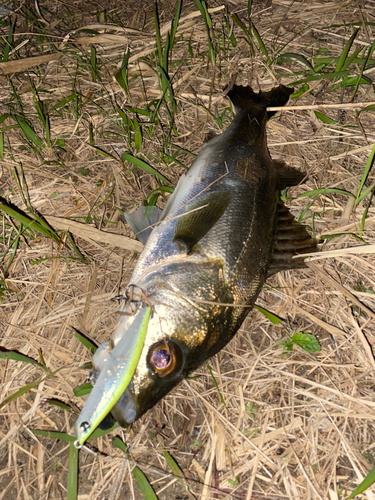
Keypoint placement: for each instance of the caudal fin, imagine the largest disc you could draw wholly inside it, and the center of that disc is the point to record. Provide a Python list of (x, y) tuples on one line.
[(245, 98)]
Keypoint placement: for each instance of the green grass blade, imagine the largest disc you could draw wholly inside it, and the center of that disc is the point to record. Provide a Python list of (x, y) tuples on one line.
[(3, 117), (211, 51), (276, 320), (206, 15), (324, 191), (240, 24), (43, 117), (207, 21), (157, 34), (2, 145), (64, 101), (198, 3), (260, 43), (363, 220), (93, 63), (216, 385), (104, 153), (369, 163), (287, 56), (47, 130), (28, 131), (8, 43), (61, 404), (86, 366), (15, 95), (62, 436), (304, 88), (29, 223), (27, 388), (352, 58), (38, 106), (137, 135), (144, 166), (174, 24), (166, 85), (143, 484), (13, 254), (98, 433), (82, 390), (85, 341), (158, 191), (177, 472), (249, 6), (137, 111), (329, 237), (328, 121), (369, 54), (118, 443), (323, 76), (366, 192), (351, 81), (344, 53), (166, 54), (122, 74), (141, 480), (17, 356), (371, 107), (73, 473), (366, 483), (325, 119)]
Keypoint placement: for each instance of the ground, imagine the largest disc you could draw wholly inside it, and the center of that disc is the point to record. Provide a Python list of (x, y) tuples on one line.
[(281, 423)]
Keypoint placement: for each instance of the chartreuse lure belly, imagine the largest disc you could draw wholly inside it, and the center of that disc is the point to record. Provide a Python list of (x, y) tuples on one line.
[(114, 377)]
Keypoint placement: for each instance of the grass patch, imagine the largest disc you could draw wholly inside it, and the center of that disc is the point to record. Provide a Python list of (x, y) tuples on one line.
[(112, 124)]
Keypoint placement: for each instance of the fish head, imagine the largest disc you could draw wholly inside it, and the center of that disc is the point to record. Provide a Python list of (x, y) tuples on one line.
[(164, 368), (183, 331), (165, 360)]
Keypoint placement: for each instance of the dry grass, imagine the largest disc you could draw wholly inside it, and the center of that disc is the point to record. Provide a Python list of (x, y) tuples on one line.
[(295, 426)]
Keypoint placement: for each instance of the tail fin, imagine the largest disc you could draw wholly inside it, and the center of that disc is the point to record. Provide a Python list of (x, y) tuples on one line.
[(245, 97)]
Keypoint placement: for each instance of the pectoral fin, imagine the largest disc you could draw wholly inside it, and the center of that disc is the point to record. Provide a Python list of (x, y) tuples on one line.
[(291, 239), (142, 221), (200, 218)]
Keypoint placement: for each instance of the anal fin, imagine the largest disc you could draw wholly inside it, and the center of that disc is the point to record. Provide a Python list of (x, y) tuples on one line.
[(291, 239)]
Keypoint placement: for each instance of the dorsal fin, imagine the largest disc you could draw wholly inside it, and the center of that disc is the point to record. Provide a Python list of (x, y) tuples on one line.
[(291, 239), (287, 176)]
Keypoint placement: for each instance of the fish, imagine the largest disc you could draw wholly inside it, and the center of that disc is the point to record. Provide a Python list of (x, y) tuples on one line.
[(207, 254)]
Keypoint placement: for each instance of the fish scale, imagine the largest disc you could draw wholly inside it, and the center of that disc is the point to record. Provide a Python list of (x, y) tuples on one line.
[(222, 232)]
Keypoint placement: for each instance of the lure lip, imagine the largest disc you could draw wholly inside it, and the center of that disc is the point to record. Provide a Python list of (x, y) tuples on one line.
[(114, 378)]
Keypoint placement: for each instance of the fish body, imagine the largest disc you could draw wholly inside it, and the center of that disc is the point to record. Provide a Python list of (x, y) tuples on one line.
[(221, 233)]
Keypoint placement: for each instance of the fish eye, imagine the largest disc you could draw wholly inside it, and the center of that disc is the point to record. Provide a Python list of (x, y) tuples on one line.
[(163, 358)]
